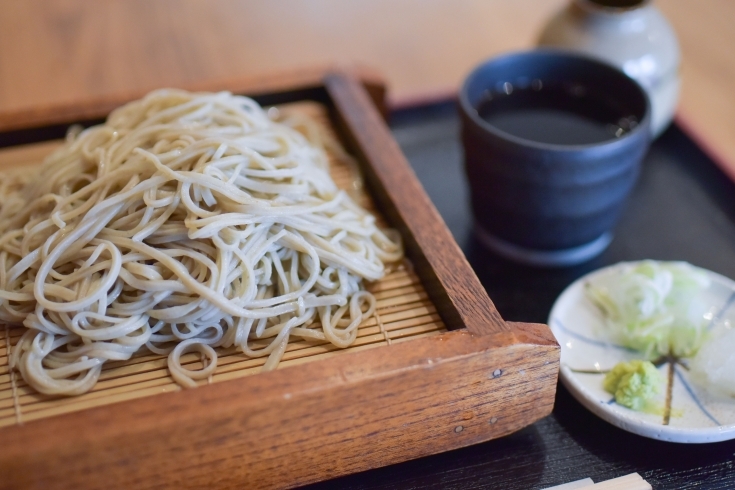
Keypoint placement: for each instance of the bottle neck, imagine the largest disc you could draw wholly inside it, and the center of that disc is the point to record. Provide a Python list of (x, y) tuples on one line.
[(625, 16), (611, 7)]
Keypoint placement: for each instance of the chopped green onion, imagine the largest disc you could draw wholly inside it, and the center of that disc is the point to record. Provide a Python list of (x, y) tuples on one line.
[(653, 307)]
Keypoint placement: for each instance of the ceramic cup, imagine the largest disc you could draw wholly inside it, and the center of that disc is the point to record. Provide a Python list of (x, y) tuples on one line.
[(543, 203)]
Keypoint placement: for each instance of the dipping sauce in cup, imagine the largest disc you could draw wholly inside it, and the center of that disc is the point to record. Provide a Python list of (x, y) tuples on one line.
[(553, 143)]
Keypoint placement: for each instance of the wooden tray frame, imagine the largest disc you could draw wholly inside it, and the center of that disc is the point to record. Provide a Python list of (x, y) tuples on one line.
[(484, 379)]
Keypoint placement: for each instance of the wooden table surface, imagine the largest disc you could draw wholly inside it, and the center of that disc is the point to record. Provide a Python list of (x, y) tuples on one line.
[(64, 51)]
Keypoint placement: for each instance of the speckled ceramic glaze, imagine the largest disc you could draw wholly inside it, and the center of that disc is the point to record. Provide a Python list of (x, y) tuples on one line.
[(630, 34), (541, 203), (697, 414)]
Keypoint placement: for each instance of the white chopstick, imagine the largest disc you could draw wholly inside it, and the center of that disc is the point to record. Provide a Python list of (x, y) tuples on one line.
[(633, 481), (573, 485)]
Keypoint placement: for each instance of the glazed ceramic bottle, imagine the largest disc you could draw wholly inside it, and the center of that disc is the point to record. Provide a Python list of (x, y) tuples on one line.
[(630, 34)]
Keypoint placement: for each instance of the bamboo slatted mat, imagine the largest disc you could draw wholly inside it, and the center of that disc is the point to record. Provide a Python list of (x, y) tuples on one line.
[(403, 312)]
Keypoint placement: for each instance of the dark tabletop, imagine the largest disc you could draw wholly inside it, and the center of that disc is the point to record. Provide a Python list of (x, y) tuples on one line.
[(683, 208)]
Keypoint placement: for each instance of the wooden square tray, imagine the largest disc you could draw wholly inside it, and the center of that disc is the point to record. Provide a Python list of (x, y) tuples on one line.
[(463, 377)]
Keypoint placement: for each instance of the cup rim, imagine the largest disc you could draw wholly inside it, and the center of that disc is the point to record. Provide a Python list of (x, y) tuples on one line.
[(471, 112)]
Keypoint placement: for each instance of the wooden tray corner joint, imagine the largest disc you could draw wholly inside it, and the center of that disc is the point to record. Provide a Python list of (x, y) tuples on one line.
[(479, 379)]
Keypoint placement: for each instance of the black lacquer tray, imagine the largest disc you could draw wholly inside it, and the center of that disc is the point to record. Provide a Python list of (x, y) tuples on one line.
[(683, 208)]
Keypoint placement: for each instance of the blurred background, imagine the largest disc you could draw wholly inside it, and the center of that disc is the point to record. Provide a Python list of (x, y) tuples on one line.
[(62, 51)]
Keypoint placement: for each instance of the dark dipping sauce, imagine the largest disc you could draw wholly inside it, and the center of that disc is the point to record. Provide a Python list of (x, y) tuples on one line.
[(555, 113)]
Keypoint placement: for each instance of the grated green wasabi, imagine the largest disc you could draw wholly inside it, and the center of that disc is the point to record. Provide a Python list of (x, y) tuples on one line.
[(633, 383)]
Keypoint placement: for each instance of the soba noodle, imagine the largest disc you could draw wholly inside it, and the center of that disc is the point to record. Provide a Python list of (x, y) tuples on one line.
[(185, 222)]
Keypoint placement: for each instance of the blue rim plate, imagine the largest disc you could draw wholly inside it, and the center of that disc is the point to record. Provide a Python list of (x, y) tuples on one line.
[(695, 414)]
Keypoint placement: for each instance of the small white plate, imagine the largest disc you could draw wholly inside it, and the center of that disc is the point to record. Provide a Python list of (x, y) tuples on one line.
[(697, 416)]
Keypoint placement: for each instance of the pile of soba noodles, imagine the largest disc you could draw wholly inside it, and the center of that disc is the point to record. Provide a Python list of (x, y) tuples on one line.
[(185, 222)]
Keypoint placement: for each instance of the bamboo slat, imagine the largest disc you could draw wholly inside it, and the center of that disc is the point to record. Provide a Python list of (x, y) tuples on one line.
[(403, 312)]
